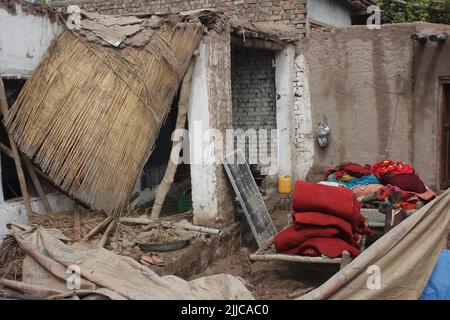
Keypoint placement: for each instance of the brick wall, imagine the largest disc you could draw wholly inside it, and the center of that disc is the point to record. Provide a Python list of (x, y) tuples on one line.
[(254, 91), (253, 88), (292, 12)]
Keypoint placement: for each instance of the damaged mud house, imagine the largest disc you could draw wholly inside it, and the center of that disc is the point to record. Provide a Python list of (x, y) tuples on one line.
[(115, 150)]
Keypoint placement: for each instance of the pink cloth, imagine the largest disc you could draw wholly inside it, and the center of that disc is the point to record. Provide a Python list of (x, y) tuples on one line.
[(364, 190)]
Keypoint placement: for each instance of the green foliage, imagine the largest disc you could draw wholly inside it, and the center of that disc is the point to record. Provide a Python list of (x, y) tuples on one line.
[(398, 11)]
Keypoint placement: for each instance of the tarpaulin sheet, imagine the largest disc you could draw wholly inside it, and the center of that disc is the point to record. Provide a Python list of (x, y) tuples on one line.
[(403, 259), (438, 287), (48, 259)]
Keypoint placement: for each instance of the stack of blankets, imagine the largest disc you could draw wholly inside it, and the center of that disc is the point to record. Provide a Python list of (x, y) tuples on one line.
[(373, 184), (326, 222)]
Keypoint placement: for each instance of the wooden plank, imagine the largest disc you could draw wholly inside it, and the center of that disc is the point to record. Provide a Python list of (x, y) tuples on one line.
[(15, 153), (256, 43)]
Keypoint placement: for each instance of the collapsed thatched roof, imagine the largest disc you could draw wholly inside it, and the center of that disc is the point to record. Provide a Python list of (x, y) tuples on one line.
[(90, 113)]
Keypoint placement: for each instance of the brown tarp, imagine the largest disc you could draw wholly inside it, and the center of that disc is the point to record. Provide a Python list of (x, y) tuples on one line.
[(405, 257)]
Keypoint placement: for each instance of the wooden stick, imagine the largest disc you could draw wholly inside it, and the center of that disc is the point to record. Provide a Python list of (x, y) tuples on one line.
[(107, 233), (293, 258), (152, 223), (346, 259), (76, 223), (197, 228), (15, 152), (164, 186), (37, 184), (98, 228), (136, 220), (6, 150)]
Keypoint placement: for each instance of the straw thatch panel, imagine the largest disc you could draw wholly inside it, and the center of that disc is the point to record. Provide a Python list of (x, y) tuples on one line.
[(89, 114)]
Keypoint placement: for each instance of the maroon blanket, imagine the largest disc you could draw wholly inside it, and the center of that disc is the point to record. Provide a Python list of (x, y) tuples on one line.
[(406, 182), (290, 238), (330, 247), (350, 168), (338, 202)]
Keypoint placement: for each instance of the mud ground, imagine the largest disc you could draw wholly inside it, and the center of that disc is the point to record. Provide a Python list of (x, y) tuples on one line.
[(272, 280)]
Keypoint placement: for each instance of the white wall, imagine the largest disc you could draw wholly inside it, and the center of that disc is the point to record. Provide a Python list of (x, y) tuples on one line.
[(284, 74), (302, 142), (331, 12), (23, 41), (202, 173)]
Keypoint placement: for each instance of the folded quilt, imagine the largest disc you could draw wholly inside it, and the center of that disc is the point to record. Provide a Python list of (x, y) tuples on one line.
[(338, 202), (290, 238), (303, 220)]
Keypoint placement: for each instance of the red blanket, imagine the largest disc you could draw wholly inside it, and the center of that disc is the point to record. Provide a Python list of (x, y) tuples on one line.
[(290, 238), (330, 247), (303, 220), (391, 167), (338, 202)]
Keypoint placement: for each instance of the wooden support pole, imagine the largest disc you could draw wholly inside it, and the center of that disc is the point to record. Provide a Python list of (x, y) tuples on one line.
[(8, 152), (107, 233), (346, 259), (256, 43), (15, 152), (76, 223), (37, 184), (164, 186), (98, 228)]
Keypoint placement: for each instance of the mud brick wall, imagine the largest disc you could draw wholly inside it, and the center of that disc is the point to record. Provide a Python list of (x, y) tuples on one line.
[(291, 12)]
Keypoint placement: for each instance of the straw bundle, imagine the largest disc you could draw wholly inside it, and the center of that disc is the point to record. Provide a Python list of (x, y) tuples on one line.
[(89, 114)]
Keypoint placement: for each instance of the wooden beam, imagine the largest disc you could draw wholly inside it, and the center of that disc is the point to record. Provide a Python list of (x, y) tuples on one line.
[(76, 223), (107, 233), (256, 43), (37, 184), (15, 152), (98, 228), (164, 186), (8, 152)]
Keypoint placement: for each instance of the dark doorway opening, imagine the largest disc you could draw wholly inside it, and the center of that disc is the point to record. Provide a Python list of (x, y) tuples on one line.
[(179, 198), (10, 181), (445, 136)]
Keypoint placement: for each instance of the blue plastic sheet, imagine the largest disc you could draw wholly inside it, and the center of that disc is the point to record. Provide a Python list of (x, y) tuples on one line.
[(438, 286)]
